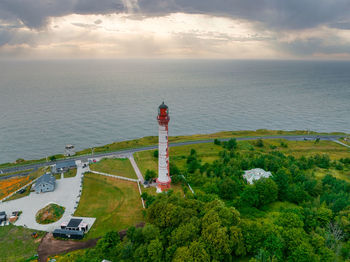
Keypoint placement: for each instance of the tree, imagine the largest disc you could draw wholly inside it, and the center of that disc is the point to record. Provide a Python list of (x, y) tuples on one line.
[(231, 144), (155, 153), (302, 253), (259, 143), (217, 240), (267, 191), (150, 174), (289, 219), (155, 250), (217, 141)]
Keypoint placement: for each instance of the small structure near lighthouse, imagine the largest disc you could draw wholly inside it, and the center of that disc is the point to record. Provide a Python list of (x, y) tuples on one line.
[(163, 180)]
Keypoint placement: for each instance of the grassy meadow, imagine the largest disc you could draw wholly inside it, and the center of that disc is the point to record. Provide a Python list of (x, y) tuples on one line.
[(115, 166), (17, 244), (115, 203)]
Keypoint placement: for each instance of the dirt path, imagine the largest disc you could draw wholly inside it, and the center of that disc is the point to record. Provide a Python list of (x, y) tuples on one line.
[(50, 246)]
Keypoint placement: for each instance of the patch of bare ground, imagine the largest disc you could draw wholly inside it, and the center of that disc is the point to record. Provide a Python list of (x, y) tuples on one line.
[(50, 246)]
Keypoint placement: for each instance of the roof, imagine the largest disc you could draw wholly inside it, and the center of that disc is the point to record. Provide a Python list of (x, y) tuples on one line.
[(255, 174), (163, 106), (66, 164), (46, 178), (74, 222), (68, 232)]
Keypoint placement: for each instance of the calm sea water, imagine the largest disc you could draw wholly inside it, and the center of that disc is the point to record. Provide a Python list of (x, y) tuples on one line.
[(45, 105)]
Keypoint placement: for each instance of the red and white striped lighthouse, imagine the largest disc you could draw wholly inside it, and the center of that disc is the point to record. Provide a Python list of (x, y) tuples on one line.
[(163, 180)]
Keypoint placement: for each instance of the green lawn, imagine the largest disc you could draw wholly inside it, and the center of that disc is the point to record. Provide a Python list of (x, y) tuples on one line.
[(308, 148), (16, 243), (70, 173), (340, 174), (208, 152), (115, 203), (115, 166)]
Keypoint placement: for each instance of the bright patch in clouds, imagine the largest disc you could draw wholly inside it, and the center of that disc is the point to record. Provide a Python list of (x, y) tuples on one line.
[(121, 35), (177, 35)]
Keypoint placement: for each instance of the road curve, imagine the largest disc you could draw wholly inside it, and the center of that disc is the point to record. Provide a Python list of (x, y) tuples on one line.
[(133, 150)]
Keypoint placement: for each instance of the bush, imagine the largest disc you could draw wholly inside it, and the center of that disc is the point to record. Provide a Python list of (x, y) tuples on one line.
[(217, 141), (150, 174), (155, 153), (259, 143)]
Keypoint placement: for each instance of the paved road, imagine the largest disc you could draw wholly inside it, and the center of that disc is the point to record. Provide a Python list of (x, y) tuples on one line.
[(131, 151)]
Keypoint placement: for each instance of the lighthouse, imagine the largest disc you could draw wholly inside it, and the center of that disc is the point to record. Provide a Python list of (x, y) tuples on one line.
[(163, 180)]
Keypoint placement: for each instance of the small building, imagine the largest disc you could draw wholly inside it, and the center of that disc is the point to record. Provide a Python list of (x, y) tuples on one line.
[(65, 233), (3, 217), (69, 150), (45, 183), (255, 174), (63, 166), (75, 224)]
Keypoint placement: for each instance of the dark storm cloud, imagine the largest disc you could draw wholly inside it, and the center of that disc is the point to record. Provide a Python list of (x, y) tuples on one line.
[(277, 14), (34, 13)]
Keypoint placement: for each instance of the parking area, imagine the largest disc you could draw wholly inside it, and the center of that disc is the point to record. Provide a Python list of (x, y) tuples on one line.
[(67, 194)]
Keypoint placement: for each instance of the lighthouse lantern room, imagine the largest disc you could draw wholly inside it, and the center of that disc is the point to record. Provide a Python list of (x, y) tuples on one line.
[(163, 180)]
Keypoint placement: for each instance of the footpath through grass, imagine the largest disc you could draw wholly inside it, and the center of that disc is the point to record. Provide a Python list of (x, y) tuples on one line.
[(115, 166), (115, 203), (17, 244)]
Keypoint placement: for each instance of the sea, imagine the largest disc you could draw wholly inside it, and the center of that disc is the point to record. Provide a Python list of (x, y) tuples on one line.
[(45, 105)]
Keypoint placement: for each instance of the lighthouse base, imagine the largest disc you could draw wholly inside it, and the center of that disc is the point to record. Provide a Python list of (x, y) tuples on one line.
[(163, 186)]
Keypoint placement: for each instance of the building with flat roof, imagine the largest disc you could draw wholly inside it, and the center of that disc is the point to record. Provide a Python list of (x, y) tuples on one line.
[(63, 166), (75, 224), (255, 174), (65, 233)]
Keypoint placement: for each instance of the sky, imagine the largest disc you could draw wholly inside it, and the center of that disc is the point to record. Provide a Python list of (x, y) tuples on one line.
[(225, 29)]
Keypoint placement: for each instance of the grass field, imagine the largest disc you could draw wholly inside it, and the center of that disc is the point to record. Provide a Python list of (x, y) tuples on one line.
[(115, 203), (70, 173), (208, 152), (340, 174), (308, 148), (116, 166), (17, 244)]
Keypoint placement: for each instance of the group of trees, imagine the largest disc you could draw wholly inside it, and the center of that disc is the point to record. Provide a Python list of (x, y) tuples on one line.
[(228, 218)]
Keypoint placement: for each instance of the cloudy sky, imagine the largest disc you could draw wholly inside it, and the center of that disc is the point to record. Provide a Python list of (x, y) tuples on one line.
[(243, 29)]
